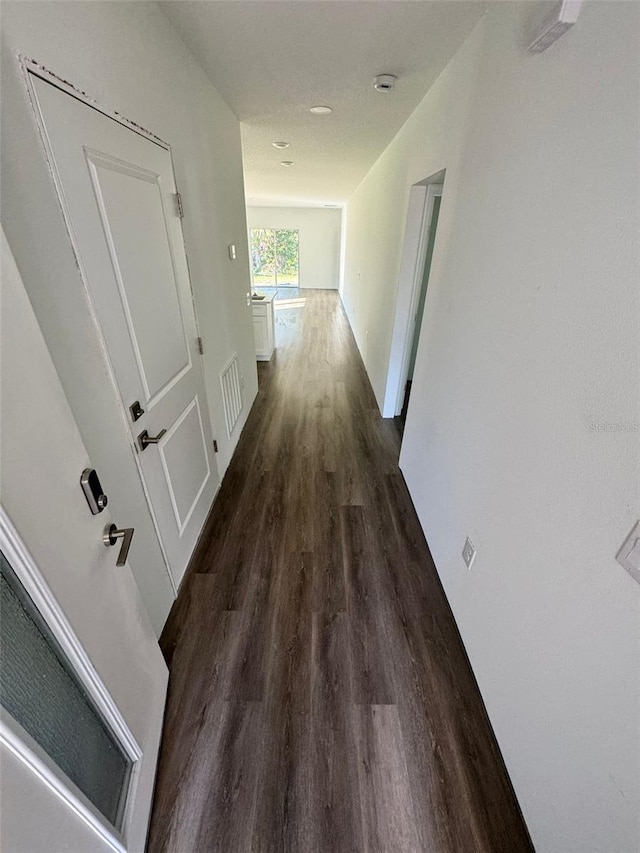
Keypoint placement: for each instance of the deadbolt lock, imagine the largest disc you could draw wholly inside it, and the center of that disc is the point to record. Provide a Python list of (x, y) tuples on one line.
[(136, 411), (92, 489)]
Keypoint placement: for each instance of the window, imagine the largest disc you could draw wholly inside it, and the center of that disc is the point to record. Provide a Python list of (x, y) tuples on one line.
[(275, 257), (42, 693)]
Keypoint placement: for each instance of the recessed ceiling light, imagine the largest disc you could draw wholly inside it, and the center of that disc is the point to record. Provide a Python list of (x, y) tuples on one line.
[(286, 163), (321, 111), (280, 144)]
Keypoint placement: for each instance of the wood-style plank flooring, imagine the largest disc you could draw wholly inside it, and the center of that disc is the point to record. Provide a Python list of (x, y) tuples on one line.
[(320, 699)]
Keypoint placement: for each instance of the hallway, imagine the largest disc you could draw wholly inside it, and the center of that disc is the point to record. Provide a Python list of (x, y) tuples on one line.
[(320, 699)]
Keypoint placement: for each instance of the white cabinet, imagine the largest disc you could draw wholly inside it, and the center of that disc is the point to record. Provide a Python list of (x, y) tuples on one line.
[(263, 327)]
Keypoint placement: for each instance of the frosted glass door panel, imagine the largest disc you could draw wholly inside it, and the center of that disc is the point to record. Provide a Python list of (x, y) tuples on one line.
[(40, 691)]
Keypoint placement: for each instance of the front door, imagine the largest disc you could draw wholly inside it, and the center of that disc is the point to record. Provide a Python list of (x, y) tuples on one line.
[(117, 190), (83, 682)]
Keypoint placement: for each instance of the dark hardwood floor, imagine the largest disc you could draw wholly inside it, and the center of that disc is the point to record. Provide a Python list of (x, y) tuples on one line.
[(320, 699)]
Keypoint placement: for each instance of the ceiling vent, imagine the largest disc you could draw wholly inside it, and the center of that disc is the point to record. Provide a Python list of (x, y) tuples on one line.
[(555, 24), (384, 82)]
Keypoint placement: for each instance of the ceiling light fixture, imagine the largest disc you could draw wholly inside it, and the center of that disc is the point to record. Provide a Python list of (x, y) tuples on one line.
[(384, 82), (321, 111), (280, 144), (286, 163)]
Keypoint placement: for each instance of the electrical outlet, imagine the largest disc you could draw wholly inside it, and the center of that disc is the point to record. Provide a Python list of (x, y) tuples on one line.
[(468, 553)]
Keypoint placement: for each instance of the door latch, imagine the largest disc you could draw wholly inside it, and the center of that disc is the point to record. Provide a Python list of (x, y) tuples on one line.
[(144, 439), (111, 535)]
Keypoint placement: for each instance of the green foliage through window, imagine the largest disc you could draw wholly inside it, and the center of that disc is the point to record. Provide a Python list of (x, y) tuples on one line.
[(274, 257)]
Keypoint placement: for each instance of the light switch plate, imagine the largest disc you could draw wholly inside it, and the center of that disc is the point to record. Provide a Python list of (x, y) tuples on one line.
[(232, 252), (629, 555), (468, 553)]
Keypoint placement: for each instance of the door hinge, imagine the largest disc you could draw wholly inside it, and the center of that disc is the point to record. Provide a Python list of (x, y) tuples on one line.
[(215, 446), (200, 346), (179, 207)]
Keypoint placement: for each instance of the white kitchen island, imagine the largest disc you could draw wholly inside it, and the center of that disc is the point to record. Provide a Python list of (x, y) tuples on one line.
[(263, 326)]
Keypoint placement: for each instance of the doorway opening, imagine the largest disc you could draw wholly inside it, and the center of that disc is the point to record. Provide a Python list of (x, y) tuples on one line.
[(423, 214), (432, 211)]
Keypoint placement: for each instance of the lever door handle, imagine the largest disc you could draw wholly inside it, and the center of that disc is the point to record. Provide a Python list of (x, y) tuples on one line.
[(110, 537), (144, 439)]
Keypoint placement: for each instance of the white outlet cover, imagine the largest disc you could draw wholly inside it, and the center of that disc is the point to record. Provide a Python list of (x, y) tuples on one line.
[(629, 555), (468, 553)]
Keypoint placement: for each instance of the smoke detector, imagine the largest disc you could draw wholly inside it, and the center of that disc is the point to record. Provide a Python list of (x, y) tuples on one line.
[(384, 82)]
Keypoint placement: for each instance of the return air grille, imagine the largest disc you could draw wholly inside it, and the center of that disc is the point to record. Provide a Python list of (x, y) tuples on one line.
[(231, 392)]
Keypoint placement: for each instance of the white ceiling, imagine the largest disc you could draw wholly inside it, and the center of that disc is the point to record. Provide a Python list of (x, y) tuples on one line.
[(273, 59)]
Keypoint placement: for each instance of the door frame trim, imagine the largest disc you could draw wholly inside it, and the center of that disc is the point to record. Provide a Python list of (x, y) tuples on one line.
[(30, 68), (20, 743), (433, 191), (414, 245)]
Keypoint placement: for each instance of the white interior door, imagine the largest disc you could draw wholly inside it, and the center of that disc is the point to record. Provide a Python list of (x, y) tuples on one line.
[(78, 747), (117, 190)]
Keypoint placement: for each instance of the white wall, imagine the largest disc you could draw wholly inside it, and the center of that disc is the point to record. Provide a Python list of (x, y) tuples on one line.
[(530, 339), (319, 239), (130, 59)]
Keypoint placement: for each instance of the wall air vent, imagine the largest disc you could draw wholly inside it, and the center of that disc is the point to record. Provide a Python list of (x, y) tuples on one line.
[(231, 392)]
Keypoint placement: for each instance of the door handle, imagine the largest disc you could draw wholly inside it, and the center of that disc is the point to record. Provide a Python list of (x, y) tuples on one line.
[(144, 439), (110, 537)]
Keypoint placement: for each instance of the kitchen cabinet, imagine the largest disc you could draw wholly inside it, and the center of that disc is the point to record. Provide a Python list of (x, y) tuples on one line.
[(263, 327)]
